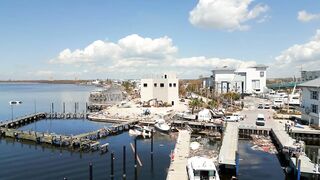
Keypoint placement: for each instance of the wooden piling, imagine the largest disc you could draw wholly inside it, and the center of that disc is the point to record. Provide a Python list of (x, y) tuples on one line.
[(124, 163), (90, 172), (112, 166)]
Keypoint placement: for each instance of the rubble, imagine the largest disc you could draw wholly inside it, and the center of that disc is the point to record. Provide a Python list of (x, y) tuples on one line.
[(204, 150), (263, 143)]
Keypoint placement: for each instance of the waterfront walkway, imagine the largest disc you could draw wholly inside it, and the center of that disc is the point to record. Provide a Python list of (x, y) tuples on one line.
[(227, 155), (177, 169)]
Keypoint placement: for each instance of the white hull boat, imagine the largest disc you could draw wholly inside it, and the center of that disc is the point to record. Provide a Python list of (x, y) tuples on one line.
[(162, 126), (200, 168), (143, 131)]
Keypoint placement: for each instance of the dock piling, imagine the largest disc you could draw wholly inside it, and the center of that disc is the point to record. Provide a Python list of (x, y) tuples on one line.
[(124, 163), (135, 160), (151, 151), (299, 173), (90, 172), (64, 107), (112, 166)]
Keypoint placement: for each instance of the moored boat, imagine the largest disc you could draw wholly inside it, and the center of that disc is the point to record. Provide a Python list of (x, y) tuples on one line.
[(162, 126), (143, 131), (201, 168)]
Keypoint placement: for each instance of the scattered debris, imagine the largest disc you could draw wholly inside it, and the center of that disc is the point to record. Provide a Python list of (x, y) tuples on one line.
[(263, 143), (204, 149)]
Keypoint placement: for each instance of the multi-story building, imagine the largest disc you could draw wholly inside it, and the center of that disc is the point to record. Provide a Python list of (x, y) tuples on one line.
[(164, 88), (309, 75), (244, 80), (310, 103)]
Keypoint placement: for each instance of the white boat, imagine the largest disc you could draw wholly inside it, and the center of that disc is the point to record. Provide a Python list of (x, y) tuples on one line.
[(200, 168), (186, 115), (143, 131), (162, 126), (15, 102)]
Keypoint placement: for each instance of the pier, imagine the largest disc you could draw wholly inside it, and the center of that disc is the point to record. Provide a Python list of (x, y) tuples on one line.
[(85, 141), (286, 146), (177, 169), (22, 120), (229, 147)]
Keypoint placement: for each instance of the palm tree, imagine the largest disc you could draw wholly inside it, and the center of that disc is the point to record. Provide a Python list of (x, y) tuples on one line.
[(195, 103)]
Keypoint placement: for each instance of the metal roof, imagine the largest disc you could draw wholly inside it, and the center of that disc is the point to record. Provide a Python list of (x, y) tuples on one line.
[(312, 83)]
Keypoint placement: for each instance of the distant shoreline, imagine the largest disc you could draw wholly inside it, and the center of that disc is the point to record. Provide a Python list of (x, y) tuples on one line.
[(47, 81)]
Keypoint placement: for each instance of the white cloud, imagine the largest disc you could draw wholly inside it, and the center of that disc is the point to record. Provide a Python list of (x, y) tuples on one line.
[(209, 63), (304, 16), (134, 56), (306, 56), (225, 14), (132, 46)]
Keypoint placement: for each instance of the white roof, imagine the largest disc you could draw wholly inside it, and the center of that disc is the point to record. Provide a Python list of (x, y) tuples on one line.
[(260, 116), (201, 163)]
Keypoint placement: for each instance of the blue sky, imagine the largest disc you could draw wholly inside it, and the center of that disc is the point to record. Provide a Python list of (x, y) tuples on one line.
[(33, 33)]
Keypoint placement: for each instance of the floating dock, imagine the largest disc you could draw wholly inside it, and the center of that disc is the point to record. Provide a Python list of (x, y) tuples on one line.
[(177, 169), (229, 147)]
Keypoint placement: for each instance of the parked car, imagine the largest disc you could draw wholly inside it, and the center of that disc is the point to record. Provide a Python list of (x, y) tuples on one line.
[(260, 106), (240, 117), (231, 118), (260, 121), (267, 106)]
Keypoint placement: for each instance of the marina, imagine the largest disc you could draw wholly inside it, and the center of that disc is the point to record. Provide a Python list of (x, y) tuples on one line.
[(97, 139)]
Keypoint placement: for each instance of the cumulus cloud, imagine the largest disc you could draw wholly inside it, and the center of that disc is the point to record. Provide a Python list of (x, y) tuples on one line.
[(225, 14), (306, 56), (133, 46), (304, 16), (133, 56)]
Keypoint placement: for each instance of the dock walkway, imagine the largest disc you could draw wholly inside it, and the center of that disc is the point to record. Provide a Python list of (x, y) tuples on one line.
[(227, 155), (177, 169), (285, 141)]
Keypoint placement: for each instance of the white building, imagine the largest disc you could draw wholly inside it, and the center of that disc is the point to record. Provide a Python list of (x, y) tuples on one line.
[(310, 101), (244, 80), (164, 88), (309, 75)]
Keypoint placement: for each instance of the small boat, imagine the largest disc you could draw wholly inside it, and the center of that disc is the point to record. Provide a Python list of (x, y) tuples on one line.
[(15, 102), (162, 126), (143, 131), (202, 168), (104, 148)]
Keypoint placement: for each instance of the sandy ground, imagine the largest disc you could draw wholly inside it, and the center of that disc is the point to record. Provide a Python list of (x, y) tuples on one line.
[(132, 110)]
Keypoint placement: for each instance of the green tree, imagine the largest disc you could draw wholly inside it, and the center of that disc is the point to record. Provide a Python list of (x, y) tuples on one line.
[(195, 103), (128, 86)]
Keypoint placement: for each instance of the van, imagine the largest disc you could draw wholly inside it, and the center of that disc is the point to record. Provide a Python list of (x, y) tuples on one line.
[(260, 121)]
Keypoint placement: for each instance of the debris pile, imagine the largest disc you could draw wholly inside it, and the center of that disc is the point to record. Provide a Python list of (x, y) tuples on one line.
[(263, 143), (203, 149)]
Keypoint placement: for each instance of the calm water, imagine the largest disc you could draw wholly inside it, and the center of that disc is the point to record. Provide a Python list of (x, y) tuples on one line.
[(257, 164), (26, 160)]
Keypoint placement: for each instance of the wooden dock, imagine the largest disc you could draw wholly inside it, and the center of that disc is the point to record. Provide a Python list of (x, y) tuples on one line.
[(284, 141), (229, 147), (177, 169), (23, 120)]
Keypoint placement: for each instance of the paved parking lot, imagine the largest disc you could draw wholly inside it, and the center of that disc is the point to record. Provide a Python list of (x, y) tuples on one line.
[(251, 111)]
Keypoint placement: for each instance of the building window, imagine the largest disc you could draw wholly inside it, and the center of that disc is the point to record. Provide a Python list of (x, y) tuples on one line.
[(314, 108), (174, 85), (161, 84), (255, 84), (170, 85), (314, 95), (261, 74), (145, 85), (155, 85)]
